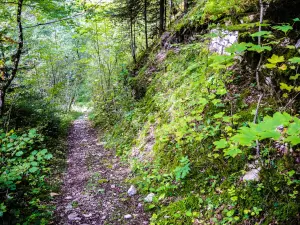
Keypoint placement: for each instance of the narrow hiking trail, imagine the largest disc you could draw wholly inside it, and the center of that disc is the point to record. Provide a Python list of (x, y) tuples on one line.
[(94, 189)]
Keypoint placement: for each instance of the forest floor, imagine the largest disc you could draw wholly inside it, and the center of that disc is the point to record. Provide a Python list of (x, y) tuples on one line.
[(94, 190)]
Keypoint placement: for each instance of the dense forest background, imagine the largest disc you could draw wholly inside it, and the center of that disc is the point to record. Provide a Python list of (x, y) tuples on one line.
[(199, 97)]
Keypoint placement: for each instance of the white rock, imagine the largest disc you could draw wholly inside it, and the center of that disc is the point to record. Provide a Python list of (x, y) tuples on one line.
[(128, 216), (149, 197), (87, 215), (132, 191), (73, 216), (223, 39), (252, 175), (68, 197)]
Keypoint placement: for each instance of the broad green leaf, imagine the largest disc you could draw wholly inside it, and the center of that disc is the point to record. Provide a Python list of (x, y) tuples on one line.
[(245, 137), (230, 213), (237, 48), (270, 66), (259, 49), (232, 152), (19, 153), (295, 60), (221, 144), (269, 134), (276, 59), (294, 140), (33, 169), (284, 86), (295, 77), (261, 34), (296, 20), (283, 28)]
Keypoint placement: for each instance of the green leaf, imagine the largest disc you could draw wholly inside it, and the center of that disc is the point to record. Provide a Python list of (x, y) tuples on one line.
[(270, 134), (284, 86), (261, 34), (270, 66), (237, 48), (295, 77), (32, 133), (283, 28), (230, 213), (48, 156), (259, 49), (221, 144), (33, 169), (19, 153), (188, 213), (232, 152), (295, 60), (294, 140), (245, 137), (296, 20), (276, 59)]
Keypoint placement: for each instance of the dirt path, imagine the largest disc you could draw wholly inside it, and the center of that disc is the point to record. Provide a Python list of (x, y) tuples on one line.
[(94, 189)]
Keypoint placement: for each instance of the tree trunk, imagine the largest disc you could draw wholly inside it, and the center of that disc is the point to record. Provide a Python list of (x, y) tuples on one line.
[(186, 6), (2, 102), (132, 40), (145, 20), (161, 16)]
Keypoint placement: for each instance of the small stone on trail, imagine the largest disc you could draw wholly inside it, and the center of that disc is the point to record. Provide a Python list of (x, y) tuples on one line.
[(132, 191), (87, 215), (73, 216), (112, 186), (149, 197), (52, 194), (140, 205), (68, 197), (128, 216)]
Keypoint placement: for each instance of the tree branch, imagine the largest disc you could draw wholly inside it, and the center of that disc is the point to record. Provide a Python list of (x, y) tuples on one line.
[(56, 21)]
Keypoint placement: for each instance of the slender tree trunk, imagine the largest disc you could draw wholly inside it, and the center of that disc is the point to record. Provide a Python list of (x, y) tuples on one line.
[(161, 16), (15, 59), (171, 10), (186, 5), (132, 40), (145, 19), (2, 102)]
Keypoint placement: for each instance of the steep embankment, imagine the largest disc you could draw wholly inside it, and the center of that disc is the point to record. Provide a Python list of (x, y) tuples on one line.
[(215, 133)]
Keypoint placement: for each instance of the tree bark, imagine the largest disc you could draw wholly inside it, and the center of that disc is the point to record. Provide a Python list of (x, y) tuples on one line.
[(186, 6), (146, 25), (15, 59), (2, 102), (161, 16)]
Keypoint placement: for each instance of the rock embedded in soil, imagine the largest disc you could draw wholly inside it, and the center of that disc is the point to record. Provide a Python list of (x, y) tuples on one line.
[(252, 175), (73, 216), (128, 216), (132, 191)]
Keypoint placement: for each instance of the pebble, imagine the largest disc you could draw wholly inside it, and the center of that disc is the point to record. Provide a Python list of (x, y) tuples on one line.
[(132, 191), (87, 215), (68, 197), (73, 216), (128, 216), (149, 197)]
